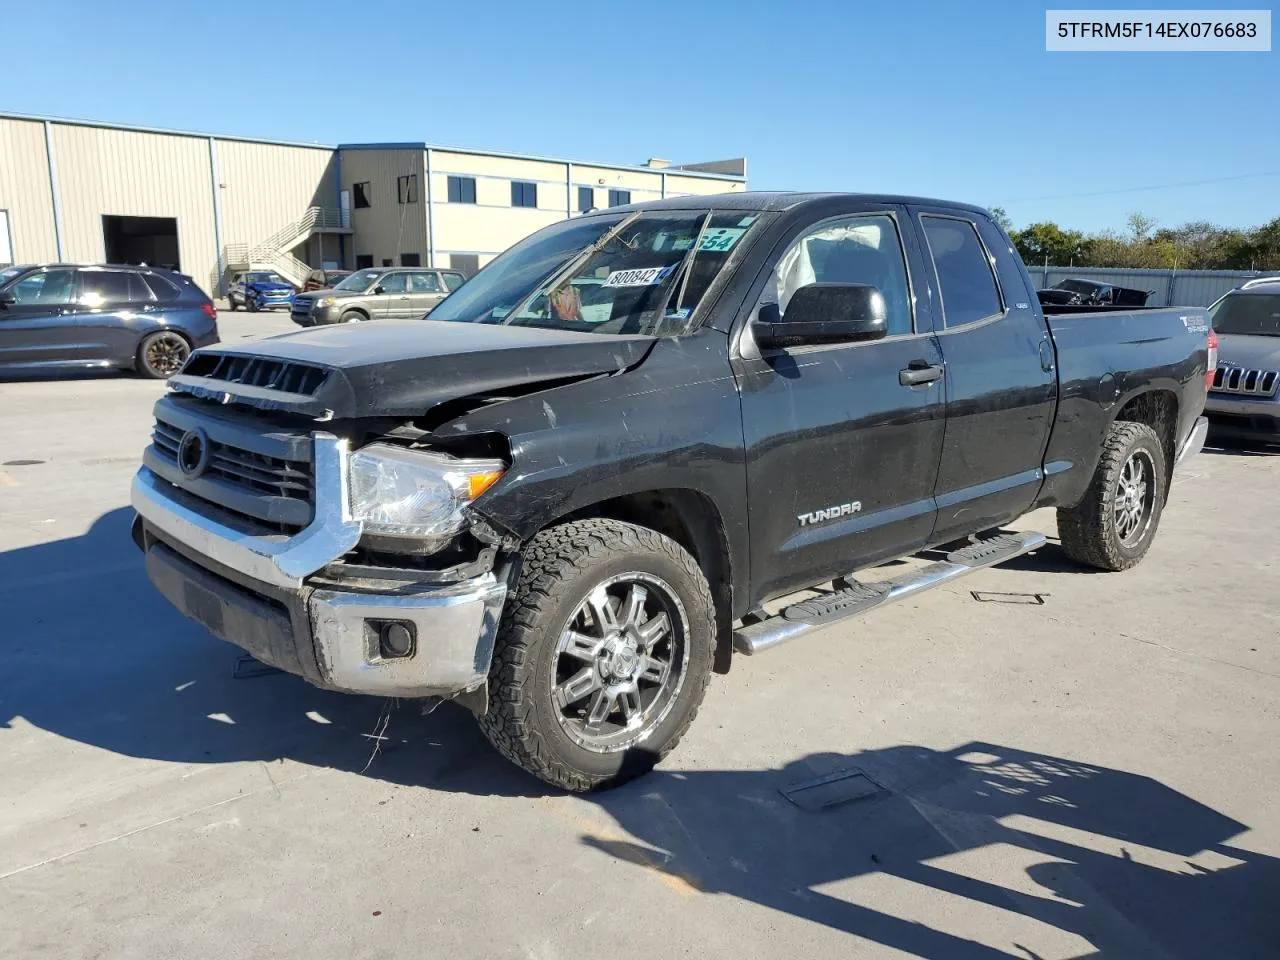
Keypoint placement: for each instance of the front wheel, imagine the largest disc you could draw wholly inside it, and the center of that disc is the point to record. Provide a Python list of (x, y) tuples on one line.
[(251, 304), (1113, 526), (603, 654), (353, 316)]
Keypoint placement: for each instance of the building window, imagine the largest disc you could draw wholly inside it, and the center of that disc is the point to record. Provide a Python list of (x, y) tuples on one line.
[(462, 189), (618, 198), (465, 263), (364, 261), (361, 194), (586, 198), (410, 260), (407, 188), (388, 262), (524, 194)]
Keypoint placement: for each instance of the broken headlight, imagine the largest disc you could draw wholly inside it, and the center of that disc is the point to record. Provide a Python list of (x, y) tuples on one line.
[(416, 495)]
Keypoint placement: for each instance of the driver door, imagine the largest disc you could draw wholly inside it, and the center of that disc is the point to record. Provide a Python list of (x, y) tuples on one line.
[(39, 327), (392, 300), (842, 446)]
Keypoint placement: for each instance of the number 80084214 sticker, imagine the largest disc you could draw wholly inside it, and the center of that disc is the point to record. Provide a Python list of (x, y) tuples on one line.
[(638, 277)]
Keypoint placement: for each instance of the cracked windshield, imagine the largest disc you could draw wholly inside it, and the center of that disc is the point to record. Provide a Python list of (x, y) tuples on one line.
[(626, 274)]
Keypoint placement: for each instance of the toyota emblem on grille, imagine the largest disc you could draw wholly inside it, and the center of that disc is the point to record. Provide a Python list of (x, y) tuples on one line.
[(193, 453)]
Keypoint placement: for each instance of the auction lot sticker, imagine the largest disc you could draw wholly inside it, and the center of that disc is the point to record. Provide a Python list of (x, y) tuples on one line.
[(638, 277), (1157, 30)]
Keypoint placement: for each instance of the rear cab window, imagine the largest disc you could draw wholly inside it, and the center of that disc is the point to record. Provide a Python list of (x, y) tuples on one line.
[(966, 282)]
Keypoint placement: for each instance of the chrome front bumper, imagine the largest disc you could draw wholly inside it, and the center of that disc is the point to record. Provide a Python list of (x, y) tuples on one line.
[(331, 636)]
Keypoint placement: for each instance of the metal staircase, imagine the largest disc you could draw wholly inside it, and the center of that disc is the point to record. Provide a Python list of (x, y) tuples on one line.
[(273, 252)]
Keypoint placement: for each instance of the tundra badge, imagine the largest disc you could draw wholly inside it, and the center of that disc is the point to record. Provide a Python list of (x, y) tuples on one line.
[(830, 513)]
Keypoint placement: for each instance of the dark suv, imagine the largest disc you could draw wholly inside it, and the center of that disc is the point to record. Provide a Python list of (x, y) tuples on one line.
[(143, 319)]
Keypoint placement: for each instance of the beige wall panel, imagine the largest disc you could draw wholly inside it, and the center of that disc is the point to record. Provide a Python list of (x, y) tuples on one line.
[(24, 191), (128, 173), (677, 185), (475, 229), (467, 164), (387, 228), (604, 179), (266, 187)]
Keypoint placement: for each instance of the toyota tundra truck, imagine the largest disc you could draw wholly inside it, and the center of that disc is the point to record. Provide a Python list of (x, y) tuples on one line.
[(646, 440)]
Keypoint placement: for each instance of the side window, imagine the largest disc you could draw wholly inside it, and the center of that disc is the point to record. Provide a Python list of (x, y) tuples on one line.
[(394, 283), (424, 283), (586, 198), (138, 291), (452, 281), (364, 261), (462, 189), (862, 249), (163, 289), (965, 281), (51, 286), (619, 198), (100, 288), (361, 194)]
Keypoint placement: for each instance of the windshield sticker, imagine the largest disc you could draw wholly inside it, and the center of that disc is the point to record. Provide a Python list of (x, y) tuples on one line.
[(721, 239), (639, 277)]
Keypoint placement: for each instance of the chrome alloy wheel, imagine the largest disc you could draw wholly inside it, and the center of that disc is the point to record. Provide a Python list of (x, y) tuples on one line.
[(620, 662), (1134, 498)]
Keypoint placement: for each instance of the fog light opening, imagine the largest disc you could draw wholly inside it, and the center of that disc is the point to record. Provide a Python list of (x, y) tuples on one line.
[(396, 639)]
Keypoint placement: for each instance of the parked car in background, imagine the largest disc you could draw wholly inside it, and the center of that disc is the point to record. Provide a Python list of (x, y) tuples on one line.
[(385, 293), (1244, 400), (260, 290), (323, 278), (144, 319), (1077, 292)]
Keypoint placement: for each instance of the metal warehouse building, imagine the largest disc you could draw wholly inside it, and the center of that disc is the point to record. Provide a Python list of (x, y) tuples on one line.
[(80, 191)]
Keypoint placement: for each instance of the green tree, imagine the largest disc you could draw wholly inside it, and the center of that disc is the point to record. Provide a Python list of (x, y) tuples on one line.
[(1048, 241), (1001, 217)]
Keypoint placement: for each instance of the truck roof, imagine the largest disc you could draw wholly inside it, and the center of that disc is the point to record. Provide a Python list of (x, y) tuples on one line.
[(771, 201)]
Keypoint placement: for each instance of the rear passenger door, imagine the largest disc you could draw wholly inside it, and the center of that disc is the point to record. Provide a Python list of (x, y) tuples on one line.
[(1001, 385), (425, 291), (111, 308)]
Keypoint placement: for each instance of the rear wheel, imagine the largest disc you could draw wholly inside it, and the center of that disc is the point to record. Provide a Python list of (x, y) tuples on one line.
[(162, 354), (1114, 524), (603, 654)]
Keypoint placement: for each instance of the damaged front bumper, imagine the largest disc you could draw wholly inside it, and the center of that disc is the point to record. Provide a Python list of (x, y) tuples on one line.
[(262, 593)]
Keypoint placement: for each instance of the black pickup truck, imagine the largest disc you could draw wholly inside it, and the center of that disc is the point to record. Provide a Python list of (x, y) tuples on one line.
[(644, 439)]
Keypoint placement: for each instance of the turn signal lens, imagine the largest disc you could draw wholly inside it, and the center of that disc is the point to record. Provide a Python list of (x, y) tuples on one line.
[(478, 483)]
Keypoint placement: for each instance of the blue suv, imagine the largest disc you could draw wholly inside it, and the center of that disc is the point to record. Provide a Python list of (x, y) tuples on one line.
[(260, 290)]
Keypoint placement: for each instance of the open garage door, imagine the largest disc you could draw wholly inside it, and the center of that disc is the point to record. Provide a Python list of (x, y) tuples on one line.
[(141, 240)]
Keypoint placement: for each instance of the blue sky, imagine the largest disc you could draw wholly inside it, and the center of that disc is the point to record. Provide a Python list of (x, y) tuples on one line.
[(953, 100)]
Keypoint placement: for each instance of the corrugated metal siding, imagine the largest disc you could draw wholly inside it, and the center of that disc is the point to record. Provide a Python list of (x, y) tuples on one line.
[(1181, 288), (24, 191), (387, 228), (266, 187), (103, 171)]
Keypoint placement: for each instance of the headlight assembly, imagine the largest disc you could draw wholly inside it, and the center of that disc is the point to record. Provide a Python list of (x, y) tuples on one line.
[(416, 495)]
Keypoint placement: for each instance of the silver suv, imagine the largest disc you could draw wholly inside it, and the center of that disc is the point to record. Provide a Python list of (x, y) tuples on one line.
[(1244, 400), (376, 294)]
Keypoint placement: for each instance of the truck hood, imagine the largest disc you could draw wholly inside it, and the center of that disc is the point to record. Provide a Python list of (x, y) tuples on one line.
[(397, 368), (1250, 352)]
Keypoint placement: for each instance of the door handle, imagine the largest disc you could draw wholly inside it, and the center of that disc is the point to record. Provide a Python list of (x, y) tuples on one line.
[(1046, 356), (919, 372)]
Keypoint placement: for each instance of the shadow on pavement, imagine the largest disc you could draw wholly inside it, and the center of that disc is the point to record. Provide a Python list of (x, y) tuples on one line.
[(1123, 862)]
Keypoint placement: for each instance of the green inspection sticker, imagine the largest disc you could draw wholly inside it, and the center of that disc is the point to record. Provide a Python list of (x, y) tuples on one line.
[(721, 239)]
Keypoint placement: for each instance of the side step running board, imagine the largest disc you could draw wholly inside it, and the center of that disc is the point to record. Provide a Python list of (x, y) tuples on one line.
[(818, 613)]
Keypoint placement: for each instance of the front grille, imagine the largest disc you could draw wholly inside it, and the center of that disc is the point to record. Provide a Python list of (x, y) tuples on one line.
[(283, 375), (302, 304), (273, 490), (1245, 382)]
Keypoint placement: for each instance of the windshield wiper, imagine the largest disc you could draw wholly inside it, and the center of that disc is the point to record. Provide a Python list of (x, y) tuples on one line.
[(567, 270)]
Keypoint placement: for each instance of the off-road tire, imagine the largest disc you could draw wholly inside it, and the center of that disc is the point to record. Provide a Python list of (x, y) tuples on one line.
[(352, 316), (1088, 530), (560, 567)]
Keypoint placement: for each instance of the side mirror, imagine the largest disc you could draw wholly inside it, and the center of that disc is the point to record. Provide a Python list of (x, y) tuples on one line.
[(7, 299), (825, 313), (379, 289)]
